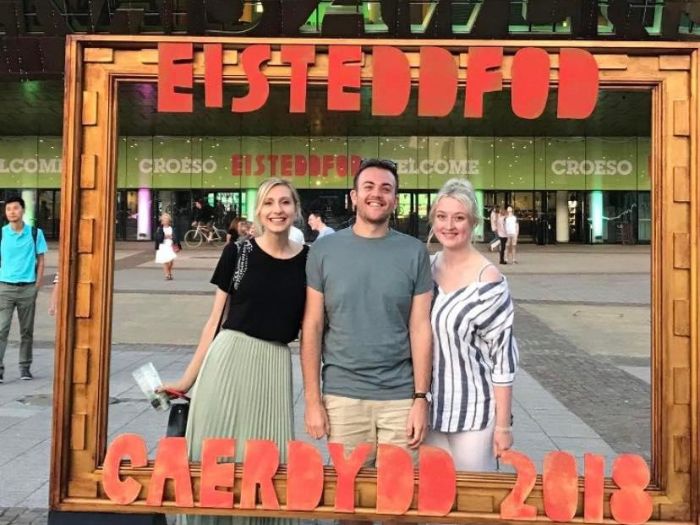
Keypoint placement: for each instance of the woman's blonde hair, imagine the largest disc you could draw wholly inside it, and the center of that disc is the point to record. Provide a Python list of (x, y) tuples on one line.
[(463, 191), (263, 190), (166, 215)]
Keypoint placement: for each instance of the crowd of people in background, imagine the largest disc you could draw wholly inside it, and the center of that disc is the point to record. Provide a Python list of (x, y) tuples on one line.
[(504, 226)]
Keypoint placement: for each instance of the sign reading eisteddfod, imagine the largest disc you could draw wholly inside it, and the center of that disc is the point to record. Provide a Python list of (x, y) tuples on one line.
[(91, 473)]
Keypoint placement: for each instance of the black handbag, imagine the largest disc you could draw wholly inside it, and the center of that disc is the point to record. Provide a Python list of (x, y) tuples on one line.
[(177, 420)]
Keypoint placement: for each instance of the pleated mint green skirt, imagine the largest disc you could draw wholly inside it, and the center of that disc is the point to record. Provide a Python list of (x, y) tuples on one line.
[(243, 391)]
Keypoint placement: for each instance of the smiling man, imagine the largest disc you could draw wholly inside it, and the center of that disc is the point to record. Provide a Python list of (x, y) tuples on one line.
[(368, 316)]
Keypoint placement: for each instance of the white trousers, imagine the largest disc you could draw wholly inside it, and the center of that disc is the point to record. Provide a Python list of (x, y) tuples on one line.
[(470, 451)]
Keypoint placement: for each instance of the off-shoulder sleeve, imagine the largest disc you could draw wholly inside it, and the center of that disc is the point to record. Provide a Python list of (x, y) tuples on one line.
[(497, 333)]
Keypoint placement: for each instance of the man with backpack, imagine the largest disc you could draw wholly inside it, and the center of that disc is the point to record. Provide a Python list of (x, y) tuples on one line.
[(22, 249)]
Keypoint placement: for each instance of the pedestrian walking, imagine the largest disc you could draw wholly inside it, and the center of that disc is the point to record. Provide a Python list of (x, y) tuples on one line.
[(502, 235), (317, 222), (53, 301), (475, 355), (242, 376), (296, 235), (512, 231), (232, 232), (167, 245), (245, 230), (493, 220), (22, 249), (368, 319)]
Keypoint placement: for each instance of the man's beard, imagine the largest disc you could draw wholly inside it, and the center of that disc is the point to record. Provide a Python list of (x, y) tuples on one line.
[(382, 220)]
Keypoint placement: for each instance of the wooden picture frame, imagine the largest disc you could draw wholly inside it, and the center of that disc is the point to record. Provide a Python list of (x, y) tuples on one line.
[(95, 67)]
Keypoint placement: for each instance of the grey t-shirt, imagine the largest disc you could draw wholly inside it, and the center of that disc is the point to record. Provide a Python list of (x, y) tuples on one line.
[(368, 285)]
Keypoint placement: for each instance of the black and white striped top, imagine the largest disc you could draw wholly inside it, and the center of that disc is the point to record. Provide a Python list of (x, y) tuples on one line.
[(473, 350)]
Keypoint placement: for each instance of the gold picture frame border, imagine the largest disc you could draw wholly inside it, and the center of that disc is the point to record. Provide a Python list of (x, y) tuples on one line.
[(96, 65)]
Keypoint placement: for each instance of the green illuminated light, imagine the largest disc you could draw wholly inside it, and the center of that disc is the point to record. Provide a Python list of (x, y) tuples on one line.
[(597, 216), (31, 87), (251, 196), (478, 234)]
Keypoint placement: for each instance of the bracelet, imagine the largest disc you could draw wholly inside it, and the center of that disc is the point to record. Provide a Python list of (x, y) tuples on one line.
[(504, 429)]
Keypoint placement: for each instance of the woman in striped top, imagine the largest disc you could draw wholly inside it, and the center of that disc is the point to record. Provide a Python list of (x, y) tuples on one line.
[(475, 356)]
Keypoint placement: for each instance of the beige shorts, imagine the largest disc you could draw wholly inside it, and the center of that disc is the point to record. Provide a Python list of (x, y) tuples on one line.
[(512, 240), (356, 421)]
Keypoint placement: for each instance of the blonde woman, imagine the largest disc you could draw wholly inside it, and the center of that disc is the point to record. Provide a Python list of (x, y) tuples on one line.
[(167, 245), (475, 356), (242, 376)]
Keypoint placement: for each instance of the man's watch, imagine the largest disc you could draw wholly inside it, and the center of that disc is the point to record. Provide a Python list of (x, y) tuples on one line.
[(423, 395)]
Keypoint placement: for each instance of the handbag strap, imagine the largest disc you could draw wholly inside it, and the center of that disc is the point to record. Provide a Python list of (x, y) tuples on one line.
[(244, 249), (177, 394)]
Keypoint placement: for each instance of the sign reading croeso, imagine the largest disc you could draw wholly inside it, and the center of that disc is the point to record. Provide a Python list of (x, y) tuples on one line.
[(438, 79), (592, 167), (396, 481)]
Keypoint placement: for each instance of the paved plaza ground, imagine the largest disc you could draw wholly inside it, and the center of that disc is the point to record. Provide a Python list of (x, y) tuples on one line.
[(582, 324)]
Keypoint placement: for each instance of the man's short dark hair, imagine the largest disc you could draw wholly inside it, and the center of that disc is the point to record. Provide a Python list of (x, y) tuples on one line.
[(319, 214), (16, 198), (385, 164)]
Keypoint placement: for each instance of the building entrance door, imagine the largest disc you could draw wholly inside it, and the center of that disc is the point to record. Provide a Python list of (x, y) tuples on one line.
[(525, 207), (579, 230), (48, 212), (227, 205), (177, 203), (411, 215), (127, 215), (334, 205), (523, 203)]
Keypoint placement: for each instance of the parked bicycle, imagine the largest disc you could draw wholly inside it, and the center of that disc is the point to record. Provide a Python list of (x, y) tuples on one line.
[(205, 234)]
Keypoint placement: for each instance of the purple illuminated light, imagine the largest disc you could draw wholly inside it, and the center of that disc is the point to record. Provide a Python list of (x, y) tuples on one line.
[(143, 223)]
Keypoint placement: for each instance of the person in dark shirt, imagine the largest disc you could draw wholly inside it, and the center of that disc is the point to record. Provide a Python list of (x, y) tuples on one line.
[(242, 378), (203, 215), (232, 232), (198, 212)]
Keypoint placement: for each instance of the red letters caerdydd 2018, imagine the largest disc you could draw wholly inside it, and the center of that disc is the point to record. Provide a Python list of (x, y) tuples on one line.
[(397, 482), (438, 82)]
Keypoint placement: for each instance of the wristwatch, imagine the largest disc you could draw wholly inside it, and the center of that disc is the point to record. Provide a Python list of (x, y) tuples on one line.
[(423, 395)]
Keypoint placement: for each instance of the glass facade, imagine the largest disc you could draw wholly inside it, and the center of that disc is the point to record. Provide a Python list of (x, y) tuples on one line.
[(606, 179)]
